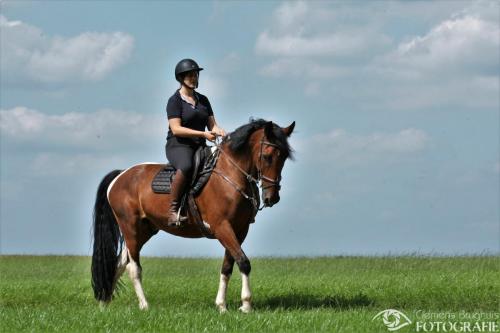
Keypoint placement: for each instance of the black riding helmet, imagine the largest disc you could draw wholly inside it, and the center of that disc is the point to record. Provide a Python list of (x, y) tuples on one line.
[(184, 66)]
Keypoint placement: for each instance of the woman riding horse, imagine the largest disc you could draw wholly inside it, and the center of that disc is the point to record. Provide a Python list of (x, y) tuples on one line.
[(189, 113), (127, 212)]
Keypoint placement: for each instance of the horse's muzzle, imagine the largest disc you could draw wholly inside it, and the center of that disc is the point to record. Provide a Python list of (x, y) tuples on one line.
[(271, 200)]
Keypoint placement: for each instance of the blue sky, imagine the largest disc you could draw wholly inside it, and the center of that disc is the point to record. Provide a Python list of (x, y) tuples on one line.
[(396, 105)]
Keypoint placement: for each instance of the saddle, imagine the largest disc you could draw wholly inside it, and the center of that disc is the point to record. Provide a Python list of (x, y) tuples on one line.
[(205, 159)]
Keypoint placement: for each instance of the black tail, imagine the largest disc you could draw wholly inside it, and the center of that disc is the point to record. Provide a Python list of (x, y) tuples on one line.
[(107, 242)]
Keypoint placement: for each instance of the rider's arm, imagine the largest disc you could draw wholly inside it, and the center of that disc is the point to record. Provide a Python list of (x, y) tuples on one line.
[(212, 126), (185, 132)]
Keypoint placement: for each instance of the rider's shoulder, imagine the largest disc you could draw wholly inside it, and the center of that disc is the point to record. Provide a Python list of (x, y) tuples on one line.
[(176, 95), (201, 97), (175, 98)]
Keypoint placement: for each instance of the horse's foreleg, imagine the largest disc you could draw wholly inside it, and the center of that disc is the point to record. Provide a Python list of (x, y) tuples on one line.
[(226, 236), (246, 293), (225, 275)]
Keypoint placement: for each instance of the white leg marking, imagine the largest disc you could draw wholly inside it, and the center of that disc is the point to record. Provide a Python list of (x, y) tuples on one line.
[(220, 300), (134, 272), (102, 305), (246, 294)]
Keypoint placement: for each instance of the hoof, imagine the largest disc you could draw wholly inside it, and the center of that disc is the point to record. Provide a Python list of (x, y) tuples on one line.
[(245, 308), (222, 309), (143, 306), (103, 305)]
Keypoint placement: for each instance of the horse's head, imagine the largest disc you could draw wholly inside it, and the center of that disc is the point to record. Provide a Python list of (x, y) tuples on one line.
[(270, 150)]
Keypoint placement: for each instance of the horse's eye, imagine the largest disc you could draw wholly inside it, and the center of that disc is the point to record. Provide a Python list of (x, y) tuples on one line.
[(268, 159)]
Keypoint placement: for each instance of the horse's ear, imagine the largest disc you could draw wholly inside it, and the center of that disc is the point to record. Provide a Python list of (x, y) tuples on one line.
[(268, 129), (288, 130)]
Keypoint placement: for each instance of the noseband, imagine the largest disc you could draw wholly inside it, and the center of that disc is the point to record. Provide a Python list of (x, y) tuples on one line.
[(253, 198)]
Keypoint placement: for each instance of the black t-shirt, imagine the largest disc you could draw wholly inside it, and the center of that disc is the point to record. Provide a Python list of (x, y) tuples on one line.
[(191, 117)]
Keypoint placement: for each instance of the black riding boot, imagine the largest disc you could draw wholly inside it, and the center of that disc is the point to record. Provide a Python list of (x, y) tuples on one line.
[(176, 192)]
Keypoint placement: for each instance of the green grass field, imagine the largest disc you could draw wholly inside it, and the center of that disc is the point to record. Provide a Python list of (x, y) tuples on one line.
[(333, 294)]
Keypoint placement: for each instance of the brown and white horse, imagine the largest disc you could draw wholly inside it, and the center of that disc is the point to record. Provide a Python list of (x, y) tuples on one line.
[(126, 209)]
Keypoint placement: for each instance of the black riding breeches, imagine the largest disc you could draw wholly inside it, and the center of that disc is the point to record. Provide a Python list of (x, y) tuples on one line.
[(180, 156)]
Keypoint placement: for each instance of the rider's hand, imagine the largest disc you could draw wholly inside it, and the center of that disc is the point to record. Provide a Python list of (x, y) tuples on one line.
[(219, 131), (210, 135)]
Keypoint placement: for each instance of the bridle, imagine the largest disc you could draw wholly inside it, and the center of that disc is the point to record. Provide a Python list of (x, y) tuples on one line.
[(260, 176), (253, 198)]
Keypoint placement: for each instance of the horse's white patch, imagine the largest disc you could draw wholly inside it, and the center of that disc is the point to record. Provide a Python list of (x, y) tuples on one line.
[(220, 300), (246, 294), (135, 273), (123, 172)]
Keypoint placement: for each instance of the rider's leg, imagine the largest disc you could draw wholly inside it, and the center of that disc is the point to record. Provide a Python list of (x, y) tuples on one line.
[(181, 157), (177, 190)]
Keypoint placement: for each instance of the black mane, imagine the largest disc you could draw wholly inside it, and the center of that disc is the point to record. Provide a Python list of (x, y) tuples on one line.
[(238, 139)]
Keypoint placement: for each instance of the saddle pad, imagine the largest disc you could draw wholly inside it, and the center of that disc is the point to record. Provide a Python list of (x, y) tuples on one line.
[(163, 179)]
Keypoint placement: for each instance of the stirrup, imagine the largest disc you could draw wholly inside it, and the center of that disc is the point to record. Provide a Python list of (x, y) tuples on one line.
[(179, 221), (176, 224)]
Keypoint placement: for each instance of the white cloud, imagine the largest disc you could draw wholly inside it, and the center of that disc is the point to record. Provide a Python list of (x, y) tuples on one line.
[(462, 44), (229, 63), (58, 164), (341, 147), (454, 64), (407, 140), (340, 44), (301, 68), (213, 87), (13, 3), (27, 54), (76, 143), (344, 51), (486, 9), (289, 13), (303, 29), (100, 130)]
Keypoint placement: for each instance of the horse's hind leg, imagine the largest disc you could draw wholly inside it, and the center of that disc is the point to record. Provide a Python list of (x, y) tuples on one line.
[(134, 242), (135, 272), (121, 266)]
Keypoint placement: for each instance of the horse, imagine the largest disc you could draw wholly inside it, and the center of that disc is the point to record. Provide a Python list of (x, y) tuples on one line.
[(127, 213)]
